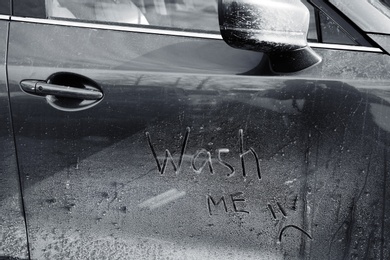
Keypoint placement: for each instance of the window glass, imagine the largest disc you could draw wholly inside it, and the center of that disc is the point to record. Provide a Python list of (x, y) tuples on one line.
[(331, 32), (386, 2), (4, 7), (383, 6), (182, 14), (324, 29), (178, 14), (312, 35), (29, 8), (370, 15)]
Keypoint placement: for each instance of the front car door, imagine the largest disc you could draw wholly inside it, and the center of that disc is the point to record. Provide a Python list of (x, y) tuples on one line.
[(13, 239), (191, 151)]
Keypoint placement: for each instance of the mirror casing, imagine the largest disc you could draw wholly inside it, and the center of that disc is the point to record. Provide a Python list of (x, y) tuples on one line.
[(276, 27)]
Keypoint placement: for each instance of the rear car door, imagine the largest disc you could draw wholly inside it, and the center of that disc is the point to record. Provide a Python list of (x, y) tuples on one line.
[(177, 146)]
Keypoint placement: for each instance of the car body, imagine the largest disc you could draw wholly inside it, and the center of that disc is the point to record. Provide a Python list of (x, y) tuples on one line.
[(194, 150)]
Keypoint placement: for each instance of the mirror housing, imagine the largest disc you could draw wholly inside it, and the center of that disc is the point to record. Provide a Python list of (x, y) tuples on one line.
[(277, 28)]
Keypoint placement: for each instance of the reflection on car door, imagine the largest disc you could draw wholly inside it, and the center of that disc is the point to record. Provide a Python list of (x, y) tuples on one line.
[(187, 157)]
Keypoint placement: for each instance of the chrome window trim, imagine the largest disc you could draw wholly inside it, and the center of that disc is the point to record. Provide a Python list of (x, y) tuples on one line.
[(344, 47), (134, 28), (5, 17)]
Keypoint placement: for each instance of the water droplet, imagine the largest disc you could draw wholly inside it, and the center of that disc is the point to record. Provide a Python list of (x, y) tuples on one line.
[(51, 201), (70, 206), (105, 195), (123, 209)]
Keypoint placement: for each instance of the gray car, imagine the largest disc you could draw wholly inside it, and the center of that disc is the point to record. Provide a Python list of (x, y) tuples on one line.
[(194, 129)]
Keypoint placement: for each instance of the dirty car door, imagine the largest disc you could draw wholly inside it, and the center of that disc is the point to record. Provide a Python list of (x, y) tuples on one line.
[(181, 154), (13, 239)]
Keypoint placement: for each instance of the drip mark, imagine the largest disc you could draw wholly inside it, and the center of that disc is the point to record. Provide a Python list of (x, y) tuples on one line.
[(294, 206)]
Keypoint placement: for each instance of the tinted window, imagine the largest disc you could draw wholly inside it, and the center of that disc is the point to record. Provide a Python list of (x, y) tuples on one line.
[(30, 8), (178, 14), (384, 7), (312, 35), (386, 2), (182, 14), (328, 29), (4, 7), (370, 15), (331, 32)]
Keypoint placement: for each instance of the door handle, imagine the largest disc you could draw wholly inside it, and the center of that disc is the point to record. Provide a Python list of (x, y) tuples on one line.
[(41, 88)]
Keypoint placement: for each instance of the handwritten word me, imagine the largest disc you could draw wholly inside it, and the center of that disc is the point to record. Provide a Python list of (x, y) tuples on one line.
[(235, 199)]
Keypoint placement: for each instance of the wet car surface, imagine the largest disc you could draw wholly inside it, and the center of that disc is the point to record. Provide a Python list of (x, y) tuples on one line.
[(195, 151)]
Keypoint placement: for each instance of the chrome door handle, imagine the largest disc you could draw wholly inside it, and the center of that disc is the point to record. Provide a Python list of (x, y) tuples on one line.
[(41, 88)]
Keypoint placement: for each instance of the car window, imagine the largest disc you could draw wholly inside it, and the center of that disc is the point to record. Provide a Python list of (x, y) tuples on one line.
[(370, 15), (386, 2), (29, 8), (4, 7), (312, 34), (331, 32), (179, 14), (384, 6)]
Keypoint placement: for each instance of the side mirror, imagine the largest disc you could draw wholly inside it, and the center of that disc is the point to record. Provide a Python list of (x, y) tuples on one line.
[(277, 28)]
